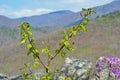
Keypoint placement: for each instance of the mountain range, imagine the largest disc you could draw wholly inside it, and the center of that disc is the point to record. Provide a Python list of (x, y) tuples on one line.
[(58, 18)]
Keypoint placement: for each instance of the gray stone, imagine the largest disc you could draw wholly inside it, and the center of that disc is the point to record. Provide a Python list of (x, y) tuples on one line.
[(37, 75), (3, 77), (17, 77), (78, 69)]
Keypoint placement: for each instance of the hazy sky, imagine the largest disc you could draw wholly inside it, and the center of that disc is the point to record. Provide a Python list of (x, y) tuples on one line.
[(21, 8)]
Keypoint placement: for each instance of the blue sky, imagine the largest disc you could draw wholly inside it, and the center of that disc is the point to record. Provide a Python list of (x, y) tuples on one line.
[(22, 8)]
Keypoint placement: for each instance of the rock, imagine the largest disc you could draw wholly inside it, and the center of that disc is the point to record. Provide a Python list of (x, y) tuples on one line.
[(3, 77), (17, 77), (37, 75), (76, 68)]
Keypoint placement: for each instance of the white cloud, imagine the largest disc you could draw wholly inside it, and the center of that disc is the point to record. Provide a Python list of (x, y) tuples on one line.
[(29, 12), (74, 5), (86, 1), (23, 12), (75, 1), (3, 10)]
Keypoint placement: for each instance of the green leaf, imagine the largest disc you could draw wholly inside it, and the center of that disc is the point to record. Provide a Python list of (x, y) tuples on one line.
[(66, 38), (29, 31), (35, 56), (46, 76), (83, 9), (56, 71), (94, 12), (30, 49), (66, 43), (69, 78), (56, 51), (24, 34), (90, 9), (29, 52), (65, 32), (32, 39), (83, 28), (70, 48), (28, 65), (85, 22), (22, 41), (36, 50), (85, 15), (36, 65), (74, 32), (71, 29), (29, 46), (48, 67), (24, 76), (87, 18), (32, 77), (21, 69), (26, 25), (42, 77), (63, 54), (45, 50)]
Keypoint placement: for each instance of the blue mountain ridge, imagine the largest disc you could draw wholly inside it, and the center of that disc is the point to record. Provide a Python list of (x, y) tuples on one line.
[(59, 18)]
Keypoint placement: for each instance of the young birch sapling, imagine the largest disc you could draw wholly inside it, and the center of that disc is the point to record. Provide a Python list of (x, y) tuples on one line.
[(28, 39)]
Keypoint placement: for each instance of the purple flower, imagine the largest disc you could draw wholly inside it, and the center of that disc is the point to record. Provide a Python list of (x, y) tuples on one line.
[(113, 64), (97, 70)]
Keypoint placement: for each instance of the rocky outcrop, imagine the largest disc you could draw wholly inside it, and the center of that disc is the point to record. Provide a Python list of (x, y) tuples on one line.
[(3, 77), (77, 69), (17, 77)]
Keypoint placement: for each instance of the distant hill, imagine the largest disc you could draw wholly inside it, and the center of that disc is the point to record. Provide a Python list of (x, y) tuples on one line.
[(59, 18), (105, 9), (68, 18), (6, 22)]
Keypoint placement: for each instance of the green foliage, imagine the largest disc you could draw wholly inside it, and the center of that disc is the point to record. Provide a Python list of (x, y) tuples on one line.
[(45, 77), (112, 15), (22, 41), (65, 45), (68, 78), (107, 20), (63, 53), (36, 64)]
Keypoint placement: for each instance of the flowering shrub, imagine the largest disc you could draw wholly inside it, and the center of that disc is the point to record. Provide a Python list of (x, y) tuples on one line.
[(112, 63)]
